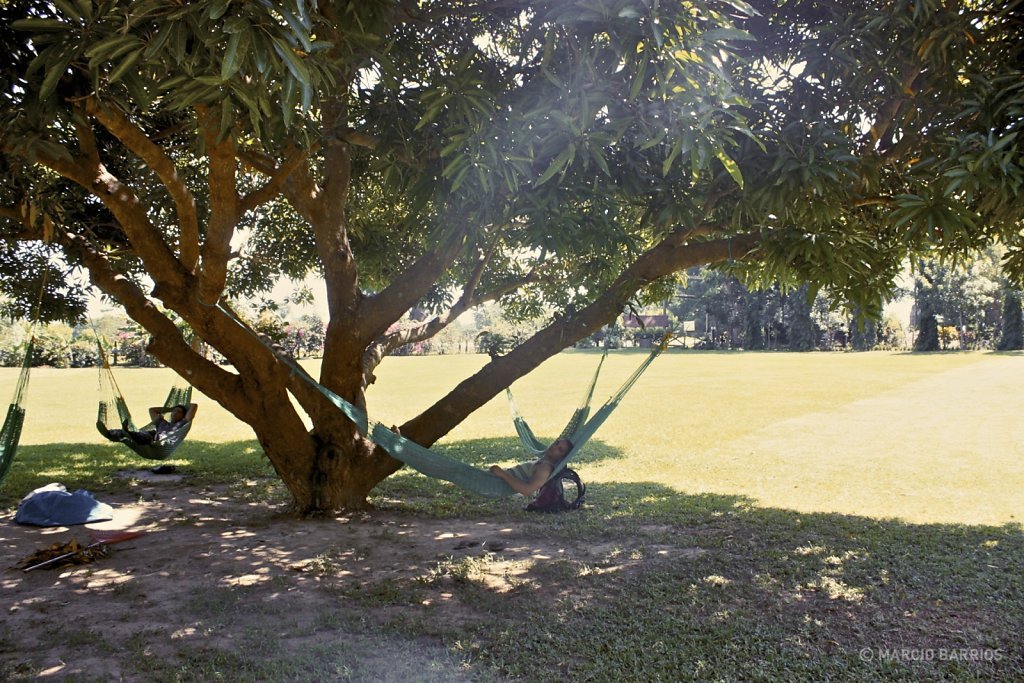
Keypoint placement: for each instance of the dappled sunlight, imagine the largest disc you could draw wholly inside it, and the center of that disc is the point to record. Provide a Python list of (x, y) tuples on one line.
[(97, 580), (261, 575), (219, 565), (716, 580), (686, 524), (836, 589)]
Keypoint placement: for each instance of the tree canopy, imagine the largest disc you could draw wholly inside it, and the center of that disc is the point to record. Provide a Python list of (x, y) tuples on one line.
[(560, 157)]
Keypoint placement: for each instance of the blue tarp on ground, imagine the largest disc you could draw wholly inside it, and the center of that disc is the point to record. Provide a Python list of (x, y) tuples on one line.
[(52, 505)]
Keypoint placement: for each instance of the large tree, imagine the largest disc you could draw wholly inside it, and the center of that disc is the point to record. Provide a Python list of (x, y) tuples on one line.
[(555, 156)]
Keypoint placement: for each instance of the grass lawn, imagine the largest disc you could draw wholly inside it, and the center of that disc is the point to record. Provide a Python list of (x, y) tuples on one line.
[(757, 516)]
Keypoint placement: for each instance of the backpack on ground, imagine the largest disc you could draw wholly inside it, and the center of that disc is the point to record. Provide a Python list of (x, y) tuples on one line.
[(551, 497)]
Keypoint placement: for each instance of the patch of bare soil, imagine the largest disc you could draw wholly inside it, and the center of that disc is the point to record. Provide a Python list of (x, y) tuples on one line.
[(216, 585)]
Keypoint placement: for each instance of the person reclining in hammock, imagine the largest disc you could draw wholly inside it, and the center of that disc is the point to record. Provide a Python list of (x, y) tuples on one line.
[(180, 416), (541, 470)]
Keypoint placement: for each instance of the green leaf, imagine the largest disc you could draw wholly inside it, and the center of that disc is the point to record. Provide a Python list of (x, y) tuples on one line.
[(229, 67), (307, 97), (655, 140), (595, 153), (289, 99), (173, 82), (727, 34), (157, 42), (236, 24), (39, 25), (666, 166), (108, 46), (68, 9), (556, 165), (301, 32), (743, 7), (291, 60), (731, 166), (1003, 141), (217, 9), (85, 8), (53, 76), (638, 79), (433, 111)]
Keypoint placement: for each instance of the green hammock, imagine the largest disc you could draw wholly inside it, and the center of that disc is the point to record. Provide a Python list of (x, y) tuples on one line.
[(579, 417), (113, 414), (459, 473), (10, 433), (439, 466)]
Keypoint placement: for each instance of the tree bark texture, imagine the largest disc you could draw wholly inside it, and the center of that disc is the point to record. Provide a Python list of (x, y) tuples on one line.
[(330, 466)]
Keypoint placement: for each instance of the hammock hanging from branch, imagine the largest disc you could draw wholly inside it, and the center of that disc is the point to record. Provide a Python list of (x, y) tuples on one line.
[(571, 431), (10, 433), (474, 479), (438, 466), (113, 415)]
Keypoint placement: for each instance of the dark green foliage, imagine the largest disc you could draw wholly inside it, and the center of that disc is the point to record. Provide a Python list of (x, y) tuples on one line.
[(572, 136), (863, 334), (927, 332), (803, 333), (1012, 337)]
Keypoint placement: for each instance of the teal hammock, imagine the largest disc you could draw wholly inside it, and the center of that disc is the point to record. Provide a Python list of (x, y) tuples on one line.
[(572, 429), (10, 433), (439, 466), (113, 414)]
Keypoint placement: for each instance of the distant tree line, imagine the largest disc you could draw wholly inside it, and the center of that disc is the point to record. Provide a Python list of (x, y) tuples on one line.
[(725, 314), (124, 342), (964, 306), (954, 306)]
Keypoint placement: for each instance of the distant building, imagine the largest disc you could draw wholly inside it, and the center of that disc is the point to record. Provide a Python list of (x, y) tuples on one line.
[(642, 324), (656, 321)]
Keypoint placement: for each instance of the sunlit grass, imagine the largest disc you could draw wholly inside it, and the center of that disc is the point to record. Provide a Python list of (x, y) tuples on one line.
[(917, 437), (749, 517)]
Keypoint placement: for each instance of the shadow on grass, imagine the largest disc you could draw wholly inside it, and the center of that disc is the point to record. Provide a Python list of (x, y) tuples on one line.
[(670, 586), (96, 466), (645, 582)]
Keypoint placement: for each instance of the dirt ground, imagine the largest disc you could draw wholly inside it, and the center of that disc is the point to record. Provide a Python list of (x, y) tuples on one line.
[(214, 580)]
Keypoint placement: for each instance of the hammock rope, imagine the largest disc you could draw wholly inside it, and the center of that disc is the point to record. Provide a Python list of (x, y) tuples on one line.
[(435, 465), (10, 433), (579, 417), (113, 414)]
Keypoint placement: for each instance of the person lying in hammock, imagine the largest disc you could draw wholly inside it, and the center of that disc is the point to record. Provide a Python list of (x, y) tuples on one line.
[(541, 470), (162, 428)]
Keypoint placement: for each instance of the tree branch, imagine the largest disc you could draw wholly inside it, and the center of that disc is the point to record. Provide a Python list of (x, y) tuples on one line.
[(659, 261), (276, 182), (118, 198), (86, 136), (399, 296), (881, 133), (224, 208), (136, 140), (387, 343), (167, 342), (21, 214)]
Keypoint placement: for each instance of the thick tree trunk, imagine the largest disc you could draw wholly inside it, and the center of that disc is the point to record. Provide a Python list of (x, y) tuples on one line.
[(325, 474)]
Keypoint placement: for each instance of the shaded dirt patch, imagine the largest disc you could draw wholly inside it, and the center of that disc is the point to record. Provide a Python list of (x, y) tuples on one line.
[(216, 582)]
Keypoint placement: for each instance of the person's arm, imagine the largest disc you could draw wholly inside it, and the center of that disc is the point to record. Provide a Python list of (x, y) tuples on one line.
[(156, 413), (190, 414), (538, 475)]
